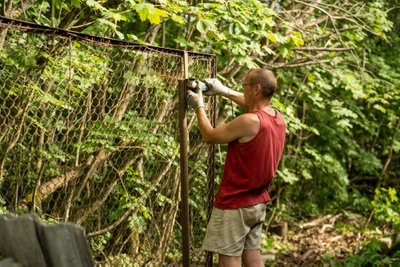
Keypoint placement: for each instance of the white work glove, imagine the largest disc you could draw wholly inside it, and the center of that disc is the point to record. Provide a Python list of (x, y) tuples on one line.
[(195, 100), (215, 87)]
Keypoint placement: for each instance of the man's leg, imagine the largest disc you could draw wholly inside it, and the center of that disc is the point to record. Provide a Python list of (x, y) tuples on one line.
[(252, 248), (229, 261), (225, 235), (252, 258)]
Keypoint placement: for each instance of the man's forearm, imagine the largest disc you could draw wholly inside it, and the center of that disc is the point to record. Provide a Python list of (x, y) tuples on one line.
[(236, 97), (204, 124)]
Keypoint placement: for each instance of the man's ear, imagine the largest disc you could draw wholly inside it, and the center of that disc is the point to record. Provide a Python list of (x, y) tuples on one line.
[(257, 90)]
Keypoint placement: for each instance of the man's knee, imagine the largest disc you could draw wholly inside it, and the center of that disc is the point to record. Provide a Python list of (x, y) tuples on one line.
[(229, 261), (252, 258)]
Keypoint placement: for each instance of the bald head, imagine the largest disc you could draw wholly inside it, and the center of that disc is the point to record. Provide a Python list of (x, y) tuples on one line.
[(265, 78)]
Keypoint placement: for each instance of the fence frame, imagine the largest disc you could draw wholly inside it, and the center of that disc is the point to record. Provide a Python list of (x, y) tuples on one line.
[(183, 129)]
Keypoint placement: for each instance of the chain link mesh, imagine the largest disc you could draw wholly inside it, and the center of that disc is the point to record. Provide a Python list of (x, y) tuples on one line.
[(89, 135)]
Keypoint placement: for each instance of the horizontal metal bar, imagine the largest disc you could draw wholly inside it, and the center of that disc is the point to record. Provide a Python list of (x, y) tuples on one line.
[(28, 26)]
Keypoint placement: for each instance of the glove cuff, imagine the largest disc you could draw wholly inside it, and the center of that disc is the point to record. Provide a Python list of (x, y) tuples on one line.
[(199, 106), (226, 92)]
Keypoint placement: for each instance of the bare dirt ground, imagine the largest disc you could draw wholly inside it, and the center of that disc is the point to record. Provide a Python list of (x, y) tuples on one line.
[(318, 240)]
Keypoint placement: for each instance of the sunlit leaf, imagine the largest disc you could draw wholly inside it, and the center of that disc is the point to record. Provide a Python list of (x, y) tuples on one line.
[(204, 25), (287, 176)]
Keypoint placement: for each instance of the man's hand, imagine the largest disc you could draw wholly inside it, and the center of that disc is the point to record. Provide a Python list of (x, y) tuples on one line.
[(195, 100), (216, 87)]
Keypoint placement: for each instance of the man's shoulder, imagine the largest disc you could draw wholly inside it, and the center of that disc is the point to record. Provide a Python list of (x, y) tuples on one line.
[(249, 115), (249, 118)]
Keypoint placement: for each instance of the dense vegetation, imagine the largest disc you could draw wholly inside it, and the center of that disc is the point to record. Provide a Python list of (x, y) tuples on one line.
[(338, 69)]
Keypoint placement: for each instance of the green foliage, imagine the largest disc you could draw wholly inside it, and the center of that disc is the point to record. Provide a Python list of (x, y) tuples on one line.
[(99, 243), (287, 176), (273, 245), (371, 255), (3, 208), (360, 203), (150, 13), (341, 108), (386, 207)]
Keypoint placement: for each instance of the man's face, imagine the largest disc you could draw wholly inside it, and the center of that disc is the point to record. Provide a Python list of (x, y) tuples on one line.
[(247, 91)]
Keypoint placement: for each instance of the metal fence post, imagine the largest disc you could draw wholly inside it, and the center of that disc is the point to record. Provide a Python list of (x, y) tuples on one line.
[(211, 164), (184, 163)]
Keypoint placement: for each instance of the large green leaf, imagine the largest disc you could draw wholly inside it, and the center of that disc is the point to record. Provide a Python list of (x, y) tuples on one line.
[(150, 12), (204, 25)]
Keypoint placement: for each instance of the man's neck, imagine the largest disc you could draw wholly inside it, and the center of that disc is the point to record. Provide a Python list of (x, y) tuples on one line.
[(260, 105)]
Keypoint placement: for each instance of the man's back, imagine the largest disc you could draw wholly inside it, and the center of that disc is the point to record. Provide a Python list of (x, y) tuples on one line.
[(250, 166)]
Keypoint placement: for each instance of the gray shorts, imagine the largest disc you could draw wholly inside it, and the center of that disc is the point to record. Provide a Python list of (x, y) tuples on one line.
[(229, 232)]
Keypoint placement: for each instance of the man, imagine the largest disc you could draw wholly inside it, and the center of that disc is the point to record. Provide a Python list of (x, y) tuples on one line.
[(256, 140)]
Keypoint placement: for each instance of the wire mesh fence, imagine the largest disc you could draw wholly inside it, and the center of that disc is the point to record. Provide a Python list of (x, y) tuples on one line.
[(89, 134)]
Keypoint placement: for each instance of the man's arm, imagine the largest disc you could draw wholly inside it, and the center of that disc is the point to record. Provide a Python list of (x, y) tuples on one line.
[(244, 128), (236, 97), (217, 88)]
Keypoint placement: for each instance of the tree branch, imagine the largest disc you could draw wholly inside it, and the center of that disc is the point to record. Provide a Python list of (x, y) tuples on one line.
[(293, 65), (315, 48)]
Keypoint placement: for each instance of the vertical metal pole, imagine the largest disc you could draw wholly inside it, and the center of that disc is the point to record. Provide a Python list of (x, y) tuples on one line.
[(184, 163), (211, 163)]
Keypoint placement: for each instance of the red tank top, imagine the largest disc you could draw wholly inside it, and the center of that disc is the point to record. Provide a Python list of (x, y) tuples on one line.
[(250, 167)]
